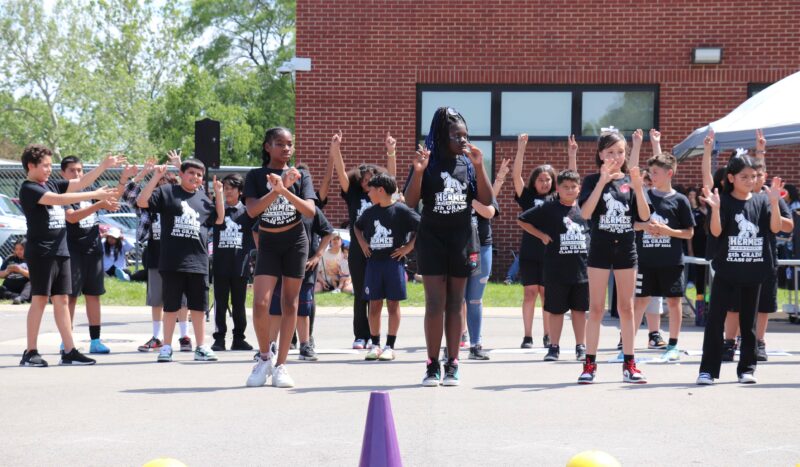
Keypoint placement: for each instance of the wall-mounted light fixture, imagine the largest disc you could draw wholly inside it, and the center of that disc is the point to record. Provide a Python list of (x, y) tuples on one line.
[(707, 55)]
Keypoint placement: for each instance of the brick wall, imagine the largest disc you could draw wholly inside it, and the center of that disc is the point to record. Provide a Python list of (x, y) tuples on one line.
[(369, 55)]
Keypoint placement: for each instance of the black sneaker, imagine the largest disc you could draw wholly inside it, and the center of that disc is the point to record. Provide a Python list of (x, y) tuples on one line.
[(451, 375), (433, 374), (546, 341), (728, 350), (619, 345), (761, 351), (32, 358), (656, 341), (240, 344), (307, 353), (219, 345), (580, 352), (527, 343), (476, 352), (75, 358), (552, 354)]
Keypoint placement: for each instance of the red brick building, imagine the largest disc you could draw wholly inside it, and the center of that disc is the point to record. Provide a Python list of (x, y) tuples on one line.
[(547, 68)]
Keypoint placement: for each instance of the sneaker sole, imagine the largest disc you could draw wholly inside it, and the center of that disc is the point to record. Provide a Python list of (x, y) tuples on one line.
[(214, 359), (254, 385), (585, 381), (309, 359), (430, 383), (639, 381), (450, 382), (33, 365), (371, 359), (283, 385), (141, 349), (655, 347), (551, 359), (704, 383), (164, 360), (100, 352), (478, 358), (63, 363), (385, 359)]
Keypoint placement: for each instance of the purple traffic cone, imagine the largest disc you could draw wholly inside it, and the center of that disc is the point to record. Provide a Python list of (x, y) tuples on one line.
[(380, 447)]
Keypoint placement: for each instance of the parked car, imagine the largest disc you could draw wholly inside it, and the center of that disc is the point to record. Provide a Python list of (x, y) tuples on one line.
[(12, 225)]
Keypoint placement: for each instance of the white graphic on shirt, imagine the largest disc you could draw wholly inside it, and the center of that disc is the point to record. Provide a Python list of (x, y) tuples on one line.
[(155, 227), (452, 198), (573, 241), (656, 241), (746, 246), (615, 220), (57, 218), (187, 225), (280, 212), (364, 206), (381, 238), (231, 237), (90, 220), (538, 202)]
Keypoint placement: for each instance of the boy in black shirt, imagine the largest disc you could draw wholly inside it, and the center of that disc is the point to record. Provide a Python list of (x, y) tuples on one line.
[(16, 285), (382, 231), (659, 244), (232, 245), (560, 227), (186, 213), (46, 251)]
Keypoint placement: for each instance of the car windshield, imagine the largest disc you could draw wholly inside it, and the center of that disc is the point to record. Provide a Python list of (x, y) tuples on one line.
[(130, 222), (9, 208)]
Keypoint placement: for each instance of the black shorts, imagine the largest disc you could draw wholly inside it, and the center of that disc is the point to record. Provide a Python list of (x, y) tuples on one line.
[(612, 254), (768, 298), (665, 281), (304, 303), (446, 253), (561, 298), (531, 272), (177, 284), (50, 275), (88, 277), (282, 253)]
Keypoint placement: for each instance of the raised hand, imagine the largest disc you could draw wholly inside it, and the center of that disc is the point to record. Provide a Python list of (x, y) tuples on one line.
[(711, 198), (292, 175), (475, 155), (174, 158), (391, 144), (655, 136), (708, 141), (503, 170), (610, 171), (104, 193), (636, 178), (160, 170), (110, 204), (336, 139), (572, 146), (775, 190), (129, 171), (149, 165), (217, 186), (422, 159), (761, 142), (277, 183), (113, 161), (637, 137), (522, 142)]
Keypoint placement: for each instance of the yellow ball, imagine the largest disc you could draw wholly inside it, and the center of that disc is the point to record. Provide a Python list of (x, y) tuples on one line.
[(593, 459), (165, 462)]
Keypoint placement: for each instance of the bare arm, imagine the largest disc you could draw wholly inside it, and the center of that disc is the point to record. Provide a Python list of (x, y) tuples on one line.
[(325, 186), (572, 154), (484, 194), (89, 178), (487, 212), (708, 147), (500, 179), (362, 242), (338, 162), (637, 138), (219, 201), (62, 199), (391, 152), (638, 189), (534, 231), (655, 141), (143, 200), (74, 216), (516, 172), (414, 189)]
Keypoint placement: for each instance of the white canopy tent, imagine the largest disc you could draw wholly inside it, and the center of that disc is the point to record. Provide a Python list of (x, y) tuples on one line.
[(776, 110)]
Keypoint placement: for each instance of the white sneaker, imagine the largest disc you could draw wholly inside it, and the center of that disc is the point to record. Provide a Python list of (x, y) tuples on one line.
[(374, 353), (359, 344), (704, 379), (165, 354), (386, 354), (747, 378), (281, 378), (261, 371), (203, 353)]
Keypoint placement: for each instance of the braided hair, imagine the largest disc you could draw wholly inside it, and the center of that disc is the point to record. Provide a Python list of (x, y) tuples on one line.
[(438, 140), (269, 135)]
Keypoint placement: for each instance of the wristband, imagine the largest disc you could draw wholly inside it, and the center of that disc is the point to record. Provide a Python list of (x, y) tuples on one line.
[(391, 154)]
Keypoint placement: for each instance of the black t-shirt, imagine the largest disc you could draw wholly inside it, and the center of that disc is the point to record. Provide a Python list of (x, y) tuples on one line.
[(185, 218), (83, 237), (484, 225), (700, 233), (233, 242), (530, 248), (771, 237), (447, 191), (14, 280), (357, 202), (566, 255), (281, 212), (386, 228), (316, 228), (742, 254), (674, 210), (47, 225), (153, 254), (615, 213)]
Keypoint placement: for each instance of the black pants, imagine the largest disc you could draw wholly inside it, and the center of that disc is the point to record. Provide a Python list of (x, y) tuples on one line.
[(727, 296), (358, 266), (236, 288)]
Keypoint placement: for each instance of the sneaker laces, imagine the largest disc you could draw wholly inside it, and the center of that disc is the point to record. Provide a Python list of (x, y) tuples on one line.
[(631, 367), (589, 367)]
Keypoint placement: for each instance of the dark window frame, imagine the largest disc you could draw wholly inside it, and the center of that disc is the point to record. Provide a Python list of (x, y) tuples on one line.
[(755, 88)]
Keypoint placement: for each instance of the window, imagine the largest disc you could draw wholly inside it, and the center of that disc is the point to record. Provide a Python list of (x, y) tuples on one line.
[(755, 88), (536, 113), (476, 107), (626, 111)]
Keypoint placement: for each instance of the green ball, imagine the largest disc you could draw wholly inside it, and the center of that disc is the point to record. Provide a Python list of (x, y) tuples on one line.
[(593, 459)]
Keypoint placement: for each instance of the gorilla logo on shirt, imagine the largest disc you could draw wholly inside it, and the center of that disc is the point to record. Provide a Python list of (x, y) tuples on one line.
[(614, 208), (364, 206), (746, 228), (451, 184), (381, 237)]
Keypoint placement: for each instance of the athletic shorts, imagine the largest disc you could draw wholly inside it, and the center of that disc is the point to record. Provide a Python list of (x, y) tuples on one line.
[(304, 304), (385, 279), (560, 298), (665, 281), (531, 272), (88, 277), (50, 275), (282, 253), (768, 298), (155, 294), (446, 253), (191, 284), (612, 254)]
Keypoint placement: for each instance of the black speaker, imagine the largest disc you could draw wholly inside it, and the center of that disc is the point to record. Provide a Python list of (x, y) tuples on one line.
[(206, 142)]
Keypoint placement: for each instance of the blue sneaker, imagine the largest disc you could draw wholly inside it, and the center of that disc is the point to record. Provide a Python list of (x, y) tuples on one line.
[(98, 347), (451, 376), (432, 374), (671, 354)]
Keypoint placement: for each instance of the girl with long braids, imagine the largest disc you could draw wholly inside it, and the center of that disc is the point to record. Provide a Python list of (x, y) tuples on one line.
[(278, 195), (447, 175)]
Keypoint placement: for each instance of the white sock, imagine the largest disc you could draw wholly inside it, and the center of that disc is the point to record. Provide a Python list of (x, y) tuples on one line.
[(156, 329), (184, 325)]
